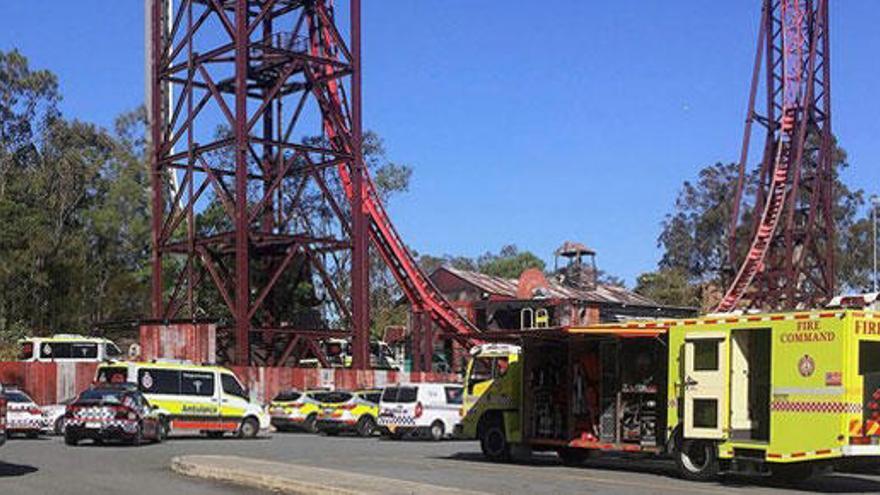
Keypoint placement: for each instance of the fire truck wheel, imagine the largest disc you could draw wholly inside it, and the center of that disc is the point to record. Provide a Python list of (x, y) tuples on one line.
[(697, 460), (493, 442), (573, 457), (366, 426), (437, 431), (310, 424), (249, 428)]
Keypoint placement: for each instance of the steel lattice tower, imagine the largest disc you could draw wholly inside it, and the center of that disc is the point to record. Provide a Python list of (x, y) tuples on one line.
[(255, 217), (261, 69), (790, 260)]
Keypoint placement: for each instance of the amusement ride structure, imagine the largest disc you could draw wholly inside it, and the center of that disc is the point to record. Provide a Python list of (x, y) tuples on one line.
[(278, 201), (789, 261)]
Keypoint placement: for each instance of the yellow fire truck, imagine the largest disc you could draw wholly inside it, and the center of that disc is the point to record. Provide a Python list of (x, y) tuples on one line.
[(764, 393)]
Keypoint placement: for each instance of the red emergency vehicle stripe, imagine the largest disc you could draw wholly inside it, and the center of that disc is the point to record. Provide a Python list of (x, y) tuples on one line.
[(203, 425)]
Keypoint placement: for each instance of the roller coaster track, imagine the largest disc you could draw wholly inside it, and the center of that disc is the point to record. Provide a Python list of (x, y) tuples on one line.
[(416, 285), (794, 46), (754, 261)]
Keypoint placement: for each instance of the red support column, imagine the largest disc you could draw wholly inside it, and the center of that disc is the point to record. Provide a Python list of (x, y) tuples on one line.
[(360, 269), (242, 274)]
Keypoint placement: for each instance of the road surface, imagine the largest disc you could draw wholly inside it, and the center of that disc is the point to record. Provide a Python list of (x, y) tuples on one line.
[(47, 466)]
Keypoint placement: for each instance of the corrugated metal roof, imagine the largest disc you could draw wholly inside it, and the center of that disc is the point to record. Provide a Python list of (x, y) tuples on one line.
[(506, 287)]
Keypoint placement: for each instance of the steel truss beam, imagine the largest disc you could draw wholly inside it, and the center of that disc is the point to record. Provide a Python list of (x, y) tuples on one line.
[(794, 266)]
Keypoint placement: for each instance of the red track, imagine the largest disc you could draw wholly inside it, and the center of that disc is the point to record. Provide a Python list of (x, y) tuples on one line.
[(754, 262), (796, 94), (418, 288)]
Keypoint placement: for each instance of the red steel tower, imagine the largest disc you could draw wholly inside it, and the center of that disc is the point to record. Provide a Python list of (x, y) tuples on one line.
[(790, 258), (263, 209)]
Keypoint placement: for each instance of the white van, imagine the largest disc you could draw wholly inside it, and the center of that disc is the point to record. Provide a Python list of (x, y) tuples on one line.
[(191, 397), (67, 348), (420, 408)]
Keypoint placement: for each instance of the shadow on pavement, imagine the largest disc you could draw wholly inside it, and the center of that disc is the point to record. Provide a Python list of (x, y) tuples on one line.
[(832, 483), (10, 470)]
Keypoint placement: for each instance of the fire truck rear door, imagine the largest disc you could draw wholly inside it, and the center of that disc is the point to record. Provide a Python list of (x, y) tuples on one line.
[(705, 384)]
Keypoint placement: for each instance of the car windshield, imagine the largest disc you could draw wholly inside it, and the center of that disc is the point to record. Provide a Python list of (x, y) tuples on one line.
[(102, 396), (288, 396), (333, 397), (403, 395), (18, 397)]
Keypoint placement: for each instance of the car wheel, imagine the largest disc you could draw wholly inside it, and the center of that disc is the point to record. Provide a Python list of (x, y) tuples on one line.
[(249, 428), (161, 431), (59, 426), (71, 439), (366, 426), (697, 460), (438, 431), (493, 442), (310, 425), (138, 438)]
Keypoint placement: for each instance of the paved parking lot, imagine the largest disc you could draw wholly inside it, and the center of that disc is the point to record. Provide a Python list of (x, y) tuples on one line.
[(48, 466)]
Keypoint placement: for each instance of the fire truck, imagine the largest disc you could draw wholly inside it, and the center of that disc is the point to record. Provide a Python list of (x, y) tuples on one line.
[(785, 394)]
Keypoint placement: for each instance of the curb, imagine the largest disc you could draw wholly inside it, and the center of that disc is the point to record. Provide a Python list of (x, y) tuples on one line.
[(295, 479)]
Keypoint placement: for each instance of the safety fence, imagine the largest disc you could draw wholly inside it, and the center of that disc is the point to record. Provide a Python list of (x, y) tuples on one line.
[(50, 383)]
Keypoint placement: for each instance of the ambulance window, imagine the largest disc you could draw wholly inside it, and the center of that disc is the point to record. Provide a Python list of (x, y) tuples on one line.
[(869, 357), (27, 351), (705, 355), (372, 397), (197, 383), (54, 350), (481, 370), (84, 351), (232, 387), (156, 381), (705, 413), (453, 395), (111, 350)]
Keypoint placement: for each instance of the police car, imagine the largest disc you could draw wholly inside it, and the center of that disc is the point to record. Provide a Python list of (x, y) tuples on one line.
[(113, 412), (24, 416)]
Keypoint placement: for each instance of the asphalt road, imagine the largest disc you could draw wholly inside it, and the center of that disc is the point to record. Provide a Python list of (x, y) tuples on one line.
[(47, 466)]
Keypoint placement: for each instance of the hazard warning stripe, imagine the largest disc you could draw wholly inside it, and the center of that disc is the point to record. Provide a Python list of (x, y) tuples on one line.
[(815, 407), (801, 455), (872, 428)]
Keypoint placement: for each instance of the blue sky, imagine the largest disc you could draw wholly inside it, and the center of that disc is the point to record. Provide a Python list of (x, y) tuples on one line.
[(526, 122)]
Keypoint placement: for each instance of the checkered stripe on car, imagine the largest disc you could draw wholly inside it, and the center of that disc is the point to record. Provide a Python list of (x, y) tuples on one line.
[(397, 420), (125, 424), (26, 423), (815, 407), (94, 413)]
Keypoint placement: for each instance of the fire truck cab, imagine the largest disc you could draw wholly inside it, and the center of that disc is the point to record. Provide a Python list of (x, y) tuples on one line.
[(764, 393)]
